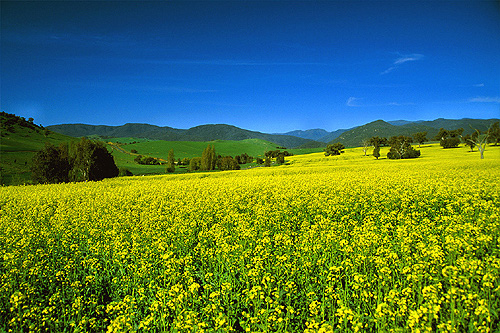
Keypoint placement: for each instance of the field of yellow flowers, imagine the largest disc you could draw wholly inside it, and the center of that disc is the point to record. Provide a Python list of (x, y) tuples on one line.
[(324, 244)]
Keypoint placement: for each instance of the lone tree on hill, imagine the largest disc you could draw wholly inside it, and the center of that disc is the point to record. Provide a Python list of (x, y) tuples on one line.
[(334, 149), (401, 148), (420, 137), (449, 138), (170, 162)]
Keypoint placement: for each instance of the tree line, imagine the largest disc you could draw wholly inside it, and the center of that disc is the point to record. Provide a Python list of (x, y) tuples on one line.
[(77, 161)]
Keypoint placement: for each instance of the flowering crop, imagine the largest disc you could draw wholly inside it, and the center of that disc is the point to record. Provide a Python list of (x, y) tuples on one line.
[(320, 245)]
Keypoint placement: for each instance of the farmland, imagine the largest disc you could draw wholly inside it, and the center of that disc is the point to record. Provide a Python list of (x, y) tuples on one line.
[(345, 244)]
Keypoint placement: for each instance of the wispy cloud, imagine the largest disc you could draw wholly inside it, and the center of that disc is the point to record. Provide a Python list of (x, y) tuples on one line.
[(478, 85), (403, 59), (484, 100), (356, 102), (352, 102)]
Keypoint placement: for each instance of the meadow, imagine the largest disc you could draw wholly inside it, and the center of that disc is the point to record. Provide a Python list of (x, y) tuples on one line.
[(322, 244)]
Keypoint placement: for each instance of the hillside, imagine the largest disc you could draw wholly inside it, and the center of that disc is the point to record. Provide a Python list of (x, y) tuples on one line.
[(198, 133), (355, 136), (19, 140)]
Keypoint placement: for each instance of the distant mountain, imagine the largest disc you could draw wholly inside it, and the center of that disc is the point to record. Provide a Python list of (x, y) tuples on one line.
[(312, 134), (198, 133), (400, 122), (355, 136), (333, 135)]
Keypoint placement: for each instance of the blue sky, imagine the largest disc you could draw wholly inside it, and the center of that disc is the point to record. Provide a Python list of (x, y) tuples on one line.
[(270, 66)]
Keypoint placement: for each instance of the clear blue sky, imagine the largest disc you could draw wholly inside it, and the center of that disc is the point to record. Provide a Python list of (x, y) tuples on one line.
[(270, 66)]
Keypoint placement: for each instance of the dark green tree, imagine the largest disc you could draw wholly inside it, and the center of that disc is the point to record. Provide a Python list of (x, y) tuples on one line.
[(267, 161), (470, 140), (449, 138), (195, 164), (401, 148), (376, 141), (91, 160), (227, 163), (376, 152), (420, 138), (280, 159), (170, 162), (494, 133), (334, 149), (50, 165), (208, 159)]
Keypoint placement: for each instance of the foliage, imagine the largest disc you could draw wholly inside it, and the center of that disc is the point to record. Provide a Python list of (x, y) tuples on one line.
[(334, 149), (420, 138), (122, 172), (195, 164), (91, 160), (208, 159), (170, 162), (301, 248), (375, 141), (470, 140), (50, 165), (227, 163), (376, 152), (146, 160), (449, 138), (401, 148), (83, 160), (494, 133), (280, 159)]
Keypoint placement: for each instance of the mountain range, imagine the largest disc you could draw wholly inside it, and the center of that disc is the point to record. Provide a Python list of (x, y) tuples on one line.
[(295, 139)]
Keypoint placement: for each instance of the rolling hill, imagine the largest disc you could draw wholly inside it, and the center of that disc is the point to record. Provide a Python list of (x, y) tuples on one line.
[(198, 133), (355, 136)]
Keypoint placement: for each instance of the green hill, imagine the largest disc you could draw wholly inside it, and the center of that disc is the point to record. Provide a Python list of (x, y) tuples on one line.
[(355, 136), (19, 140), (198, 133)]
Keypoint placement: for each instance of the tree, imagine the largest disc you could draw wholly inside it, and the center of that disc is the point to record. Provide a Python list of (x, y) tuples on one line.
[(470, 140), (480, 139), (267, 161), (420, 137), (50, 165), (195, 164), (401, 148), (376, 141), (449, 138), (334, 149), (228, 163), (366, 145), (280, 159), (259, 160), (91, 160), (170, 162), (208, 159), (376, 152), (494, 133)]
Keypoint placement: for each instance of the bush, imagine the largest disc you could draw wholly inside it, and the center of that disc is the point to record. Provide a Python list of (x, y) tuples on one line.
[(124, 172), (452, 142)]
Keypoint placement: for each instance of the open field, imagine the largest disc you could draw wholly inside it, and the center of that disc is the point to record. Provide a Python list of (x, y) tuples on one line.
[(344, 243)]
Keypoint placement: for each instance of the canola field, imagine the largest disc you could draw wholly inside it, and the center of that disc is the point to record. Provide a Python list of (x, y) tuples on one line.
[(324, 244)]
